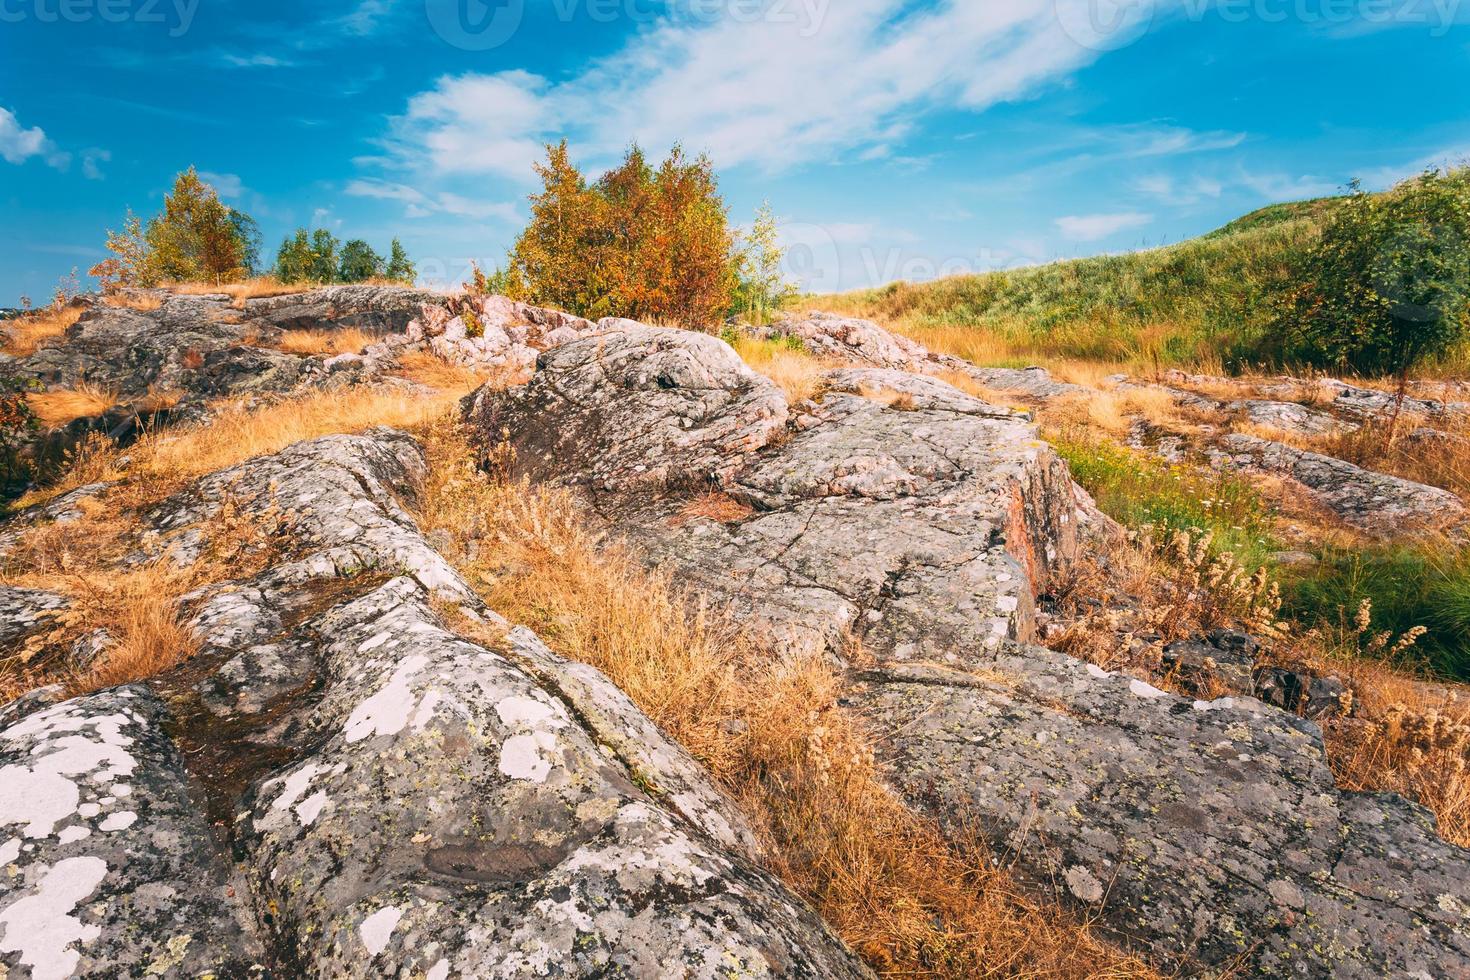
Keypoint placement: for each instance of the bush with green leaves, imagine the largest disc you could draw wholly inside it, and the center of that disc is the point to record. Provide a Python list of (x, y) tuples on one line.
[(359, 262), (197, 238), (1387, 287), (318, 257)]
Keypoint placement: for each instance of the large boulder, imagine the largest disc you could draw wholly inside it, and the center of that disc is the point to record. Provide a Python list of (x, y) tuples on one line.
[(396, 799), (632, 405), (850, 340), (920, 524), (1209, 830)]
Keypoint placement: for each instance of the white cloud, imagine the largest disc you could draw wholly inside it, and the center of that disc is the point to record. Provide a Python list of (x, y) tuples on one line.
[(419, 205), (18, 145), (229, 59), (753, 91), (1179, 192), (1092, 227), (1275, 187), (226, 185), (91, 160)]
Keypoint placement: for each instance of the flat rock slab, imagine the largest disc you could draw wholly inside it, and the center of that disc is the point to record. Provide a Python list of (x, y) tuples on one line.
[(107, 868), (1377, 503), (1210, 830)]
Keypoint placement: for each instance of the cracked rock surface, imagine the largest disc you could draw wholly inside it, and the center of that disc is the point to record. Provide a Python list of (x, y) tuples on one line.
[(1373, 502), (338, 785), (1208, 832)]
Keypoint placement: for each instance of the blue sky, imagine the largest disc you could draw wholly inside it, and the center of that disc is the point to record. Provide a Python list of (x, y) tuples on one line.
[(894, 138)]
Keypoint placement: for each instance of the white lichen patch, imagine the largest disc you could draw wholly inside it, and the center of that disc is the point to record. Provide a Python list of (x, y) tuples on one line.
[(118, 821), (528, 756), (518, 711), (66, 745), (41, 926), (293, 787), (1142, 689), (9, 851), (388, 711), (311, 808), (378, 928), (1083, 884)]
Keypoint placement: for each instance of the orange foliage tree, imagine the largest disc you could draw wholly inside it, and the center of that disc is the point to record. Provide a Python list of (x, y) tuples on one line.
[(645, 243)]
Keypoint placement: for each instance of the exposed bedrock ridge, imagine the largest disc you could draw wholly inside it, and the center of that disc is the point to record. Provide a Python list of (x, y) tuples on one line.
[(392, 799), (1209, 833)]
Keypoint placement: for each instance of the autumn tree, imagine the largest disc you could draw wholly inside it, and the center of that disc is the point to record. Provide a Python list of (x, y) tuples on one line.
[(128, 265), (195, 238), (651, 244)]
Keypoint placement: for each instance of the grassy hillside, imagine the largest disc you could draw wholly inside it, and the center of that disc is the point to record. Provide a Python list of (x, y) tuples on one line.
[(1206, 301)]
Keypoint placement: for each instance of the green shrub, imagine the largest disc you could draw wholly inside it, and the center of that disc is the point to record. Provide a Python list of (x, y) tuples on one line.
[(1388, 284), (1407, 587)]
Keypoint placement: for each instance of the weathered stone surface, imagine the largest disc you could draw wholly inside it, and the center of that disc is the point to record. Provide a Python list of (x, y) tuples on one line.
[(1373, 502), (1301, 690), (1289, 417), (1222, 663), (399, 801), (633, 406), (490, 834), (908, 390), (612, 718), (338, 495), (375, 309), (24, 613), (107, 868), (854, 340), (1210, 832)]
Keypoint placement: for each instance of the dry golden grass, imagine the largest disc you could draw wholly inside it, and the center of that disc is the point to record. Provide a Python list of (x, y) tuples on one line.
[(139, 605), (714, 506), (794, 371), (348, 340), (134, 301), (1115, 411), (771, 731), (1408, 737), (63, 405), (425, 368), (163, 460), (27, 334), (256, 288)]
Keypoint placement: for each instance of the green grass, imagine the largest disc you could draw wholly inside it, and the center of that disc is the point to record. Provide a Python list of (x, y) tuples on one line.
[(1317, 210), (1408, 586), (1138, 490), (1210, 300)]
